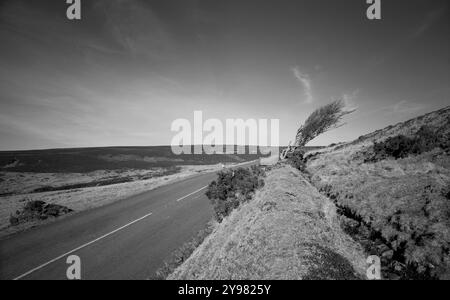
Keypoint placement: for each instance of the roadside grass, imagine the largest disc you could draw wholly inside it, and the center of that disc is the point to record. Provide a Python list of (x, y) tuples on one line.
[(275, 235), (233, 188), (180, 255)]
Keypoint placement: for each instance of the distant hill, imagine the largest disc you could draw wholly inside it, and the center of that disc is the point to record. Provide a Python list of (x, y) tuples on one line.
[(82, 160)]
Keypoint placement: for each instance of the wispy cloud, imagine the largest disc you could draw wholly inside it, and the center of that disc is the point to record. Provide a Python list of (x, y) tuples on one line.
[(304, 79)]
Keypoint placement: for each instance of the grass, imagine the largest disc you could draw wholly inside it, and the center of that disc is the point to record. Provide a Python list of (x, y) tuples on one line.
[(401, 199), (270, 237), (109, 181), (180, 255), (328, 265), (231, 189)]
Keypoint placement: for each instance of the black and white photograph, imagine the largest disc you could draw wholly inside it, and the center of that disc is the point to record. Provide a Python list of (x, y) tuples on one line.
[(224, 147)]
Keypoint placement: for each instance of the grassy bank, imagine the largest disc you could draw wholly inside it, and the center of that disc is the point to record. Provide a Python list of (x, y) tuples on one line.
[(280, 234), (392, 190)]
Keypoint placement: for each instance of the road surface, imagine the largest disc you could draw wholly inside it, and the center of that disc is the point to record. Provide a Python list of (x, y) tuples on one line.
[(127, 239)]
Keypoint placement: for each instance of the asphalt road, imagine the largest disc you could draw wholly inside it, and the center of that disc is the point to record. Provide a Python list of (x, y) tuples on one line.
[(127, 239)]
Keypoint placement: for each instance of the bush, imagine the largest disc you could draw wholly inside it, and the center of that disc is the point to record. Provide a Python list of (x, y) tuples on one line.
[(297, 161), (401, 146), (398, 147), (232, 188), (37, 210)]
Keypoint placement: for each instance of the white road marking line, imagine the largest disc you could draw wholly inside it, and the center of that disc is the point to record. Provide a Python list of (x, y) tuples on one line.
[(96, 240), (184, 197), (79, 248)]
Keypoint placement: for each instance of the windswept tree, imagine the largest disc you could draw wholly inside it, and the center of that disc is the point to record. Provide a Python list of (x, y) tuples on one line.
[(320, 121)]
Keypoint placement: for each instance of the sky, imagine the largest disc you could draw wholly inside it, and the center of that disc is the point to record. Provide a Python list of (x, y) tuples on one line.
[(123, 73)]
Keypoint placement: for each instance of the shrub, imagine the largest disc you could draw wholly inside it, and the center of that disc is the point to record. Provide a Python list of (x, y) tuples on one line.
[(232, 188), (37, 210), (296, 160), (400, 146), (13, 220)]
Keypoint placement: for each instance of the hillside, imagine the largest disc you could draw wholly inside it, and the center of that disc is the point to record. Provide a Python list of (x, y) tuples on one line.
[(386, 194), (392, 188)]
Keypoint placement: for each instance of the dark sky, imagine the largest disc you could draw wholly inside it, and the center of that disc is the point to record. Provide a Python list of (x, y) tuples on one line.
[(123, 73)]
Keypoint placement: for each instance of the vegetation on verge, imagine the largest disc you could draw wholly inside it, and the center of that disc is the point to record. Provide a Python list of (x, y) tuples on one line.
[(232, 188), (183, 253), (37, 210), (297, 160), (327, 264), (277, 236)]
